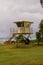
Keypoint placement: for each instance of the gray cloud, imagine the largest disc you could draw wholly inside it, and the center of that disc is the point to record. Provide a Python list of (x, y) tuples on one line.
[(12, 10)]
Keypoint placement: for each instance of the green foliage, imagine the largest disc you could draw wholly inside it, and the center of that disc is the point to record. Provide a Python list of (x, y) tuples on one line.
[(39, 34), (41, 27), (33, 41), (20, 38), (38, 37)]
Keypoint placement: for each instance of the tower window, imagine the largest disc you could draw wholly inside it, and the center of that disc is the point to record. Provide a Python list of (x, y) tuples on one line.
[(20, 24)]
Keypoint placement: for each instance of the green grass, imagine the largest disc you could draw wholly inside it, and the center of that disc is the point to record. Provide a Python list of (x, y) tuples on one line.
[(21, 56)]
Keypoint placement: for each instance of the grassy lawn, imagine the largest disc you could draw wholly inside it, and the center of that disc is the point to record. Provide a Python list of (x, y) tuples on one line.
[(21, 56)]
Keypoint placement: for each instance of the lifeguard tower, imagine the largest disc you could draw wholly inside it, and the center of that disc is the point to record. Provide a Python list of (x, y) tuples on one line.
[(23, 27)]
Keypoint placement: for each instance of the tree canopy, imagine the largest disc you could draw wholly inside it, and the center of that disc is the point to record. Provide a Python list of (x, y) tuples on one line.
[(41, 27), (39, 34)]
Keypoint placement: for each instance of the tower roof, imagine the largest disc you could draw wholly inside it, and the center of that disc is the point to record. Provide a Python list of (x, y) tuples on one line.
[(25, 21)]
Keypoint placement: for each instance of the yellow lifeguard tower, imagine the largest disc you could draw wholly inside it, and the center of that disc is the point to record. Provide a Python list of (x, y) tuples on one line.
[(24, 27)]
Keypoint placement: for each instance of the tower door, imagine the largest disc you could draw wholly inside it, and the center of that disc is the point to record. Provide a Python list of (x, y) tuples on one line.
[(21, 30)]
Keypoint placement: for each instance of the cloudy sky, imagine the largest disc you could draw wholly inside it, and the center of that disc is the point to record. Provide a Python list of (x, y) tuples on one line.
[(12, 10)]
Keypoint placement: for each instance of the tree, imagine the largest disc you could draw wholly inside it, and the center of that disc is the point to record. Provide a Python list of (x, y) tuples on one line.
[(19, 39), (38, 37), (41, 1), (39, 34), (41, 29)]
